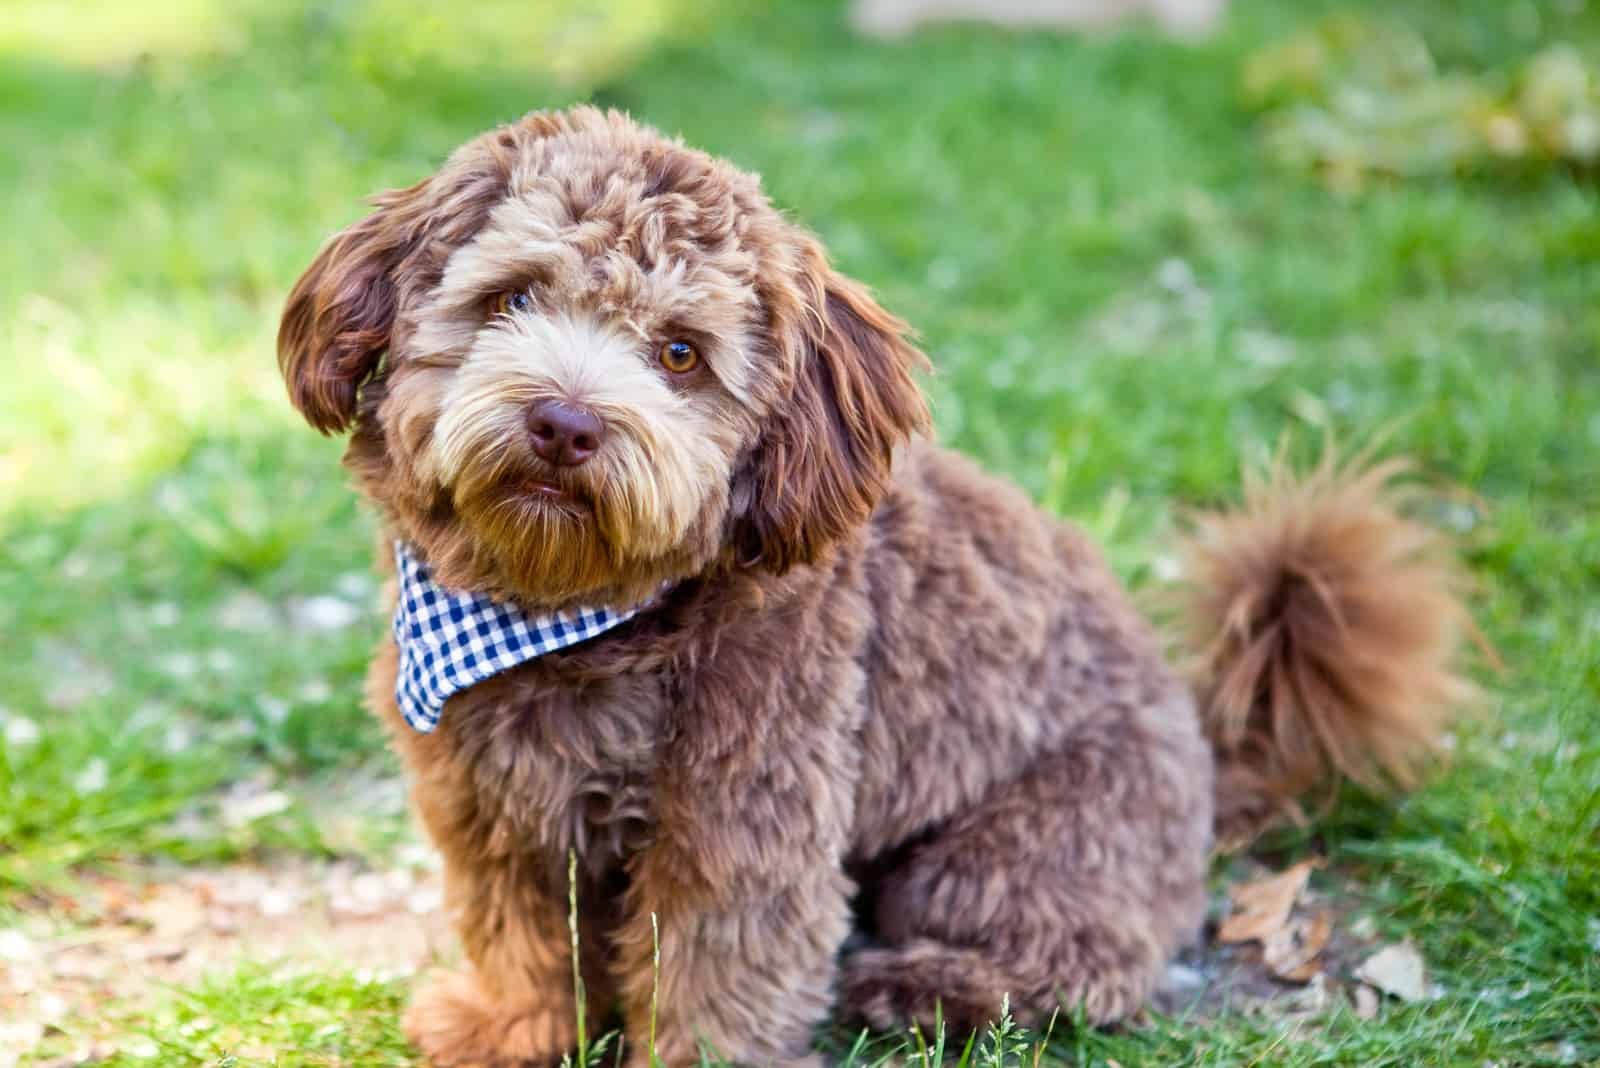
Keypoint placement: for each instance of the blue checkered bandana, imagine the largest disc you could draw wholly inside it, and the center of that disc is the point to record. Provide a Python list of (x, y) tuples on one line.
[(449, 641)]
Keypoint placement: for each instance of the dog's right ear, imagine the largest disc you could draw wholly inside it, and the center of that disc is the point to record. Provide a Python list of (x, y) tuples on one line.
[(337, 320)]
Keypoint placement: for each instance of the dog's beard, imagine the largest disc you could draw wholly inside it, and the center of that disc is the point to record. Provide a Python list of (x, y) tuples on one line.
[(615, 526), (548, 549)]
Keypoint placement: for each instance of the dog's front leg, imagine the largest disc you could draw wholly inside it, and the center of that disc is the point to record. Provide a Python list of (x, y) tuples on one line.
[(745, 885), (750, 981), (514, 1005)]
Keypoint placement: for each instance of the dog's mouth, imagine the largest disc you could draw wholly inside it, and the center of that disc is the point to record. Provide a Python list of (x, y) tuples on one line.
[(544, 491), (539, 487)]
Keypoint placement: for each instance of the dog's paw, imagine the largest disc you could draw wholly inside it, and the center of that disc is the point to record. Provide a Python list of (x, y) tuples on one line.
[(924, 984), (873, 991), (457, 1025)]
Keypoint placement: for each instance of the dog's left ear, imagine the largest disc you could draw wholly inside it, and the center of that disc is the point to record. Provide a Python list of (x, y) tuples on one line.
[(823, 460), (339, 318)]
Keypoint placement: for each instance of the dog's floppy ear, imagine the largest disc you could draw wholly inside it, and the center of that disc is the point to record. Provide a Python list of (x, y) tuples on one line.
[(823, 460), (337, 320)]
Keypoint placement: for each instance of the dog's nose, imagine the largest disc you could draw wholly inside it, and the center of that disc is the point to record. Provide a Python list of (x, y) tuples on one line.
[(564, 434)]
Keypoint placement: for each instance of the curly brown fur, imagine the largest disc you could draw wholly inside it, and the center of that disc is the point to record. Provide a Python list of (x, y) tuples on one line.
[(1327, 625), (878, 682)]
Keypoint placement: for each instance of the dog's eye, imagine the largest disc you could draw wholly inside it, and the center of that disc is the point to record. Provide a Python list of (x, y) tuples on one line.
[(515, 301), (679, 357)]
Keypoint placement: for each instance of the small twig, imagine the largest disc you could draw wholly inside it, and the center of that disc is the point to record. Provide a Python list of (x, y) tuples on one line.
[(655, 982), (577, 967)]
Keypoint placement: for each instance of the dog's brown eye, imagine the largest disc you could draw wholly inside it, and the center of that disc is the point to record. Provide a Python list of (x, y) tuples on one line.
[(679, 357), (515, 301)]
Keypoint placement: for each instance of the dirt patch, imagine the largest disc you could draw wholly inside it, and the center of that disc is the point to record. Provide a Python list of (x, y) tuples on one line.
[(119, 937)]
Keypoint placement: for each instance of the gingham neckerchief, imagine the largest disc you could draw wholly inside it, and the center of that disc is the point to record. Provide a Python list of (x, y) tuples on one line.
[(449, 641)]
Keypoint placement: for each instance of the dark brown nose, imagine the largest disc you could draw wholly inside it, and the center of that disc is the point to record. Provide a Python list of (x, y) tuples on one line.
[(564, 434)]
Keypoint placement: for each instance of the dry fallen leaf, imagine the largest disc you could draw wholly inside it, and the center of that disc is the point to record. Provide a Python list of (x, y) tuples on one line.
[(1366, 1000), (1262, 907), (1313, 1000), (1396, 970), (1291, 952), (169, 915)]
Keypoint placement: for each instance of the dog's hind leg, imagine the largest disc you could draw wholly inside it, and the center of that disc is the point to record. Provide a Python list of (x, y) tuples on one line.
[(1069, 886)]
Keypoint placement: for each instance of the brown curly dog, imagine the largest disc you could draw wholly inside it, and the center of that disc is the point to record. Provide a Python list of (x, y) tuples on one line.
[(870, 688)]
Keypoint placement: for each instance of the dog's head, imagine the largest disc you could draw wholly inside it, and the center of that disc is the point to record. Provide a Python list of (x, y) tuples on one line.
[(582, 360)]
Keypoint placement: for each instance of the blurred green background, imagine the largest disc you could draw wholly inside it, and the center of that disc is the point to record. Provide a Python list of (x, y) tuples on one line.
[(1135, 264)]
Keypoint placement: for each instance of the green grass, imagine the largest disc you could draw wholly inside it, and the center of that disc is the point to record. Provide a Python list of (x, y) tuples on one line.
[(1124, 300)]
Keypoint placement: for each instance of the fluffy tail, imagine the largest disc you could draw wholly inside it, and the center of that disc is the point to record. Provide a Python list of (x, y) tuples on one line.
[(1325, 628)]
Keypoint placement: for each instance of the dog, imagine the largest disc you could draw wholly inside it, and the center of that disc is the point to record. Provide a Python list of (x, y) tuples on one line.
[(832, 722)]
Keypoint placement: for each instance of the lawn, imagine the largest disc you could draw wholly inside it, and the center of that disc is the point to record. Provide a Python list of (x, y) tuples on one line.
[(1125, 298)]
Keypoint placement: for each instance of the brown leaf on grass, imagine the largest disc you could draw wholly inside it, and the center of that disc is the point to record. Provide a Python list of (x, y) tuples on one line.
[(1398, 971), (1311, 1000), (1292, 952), (1262, 907)]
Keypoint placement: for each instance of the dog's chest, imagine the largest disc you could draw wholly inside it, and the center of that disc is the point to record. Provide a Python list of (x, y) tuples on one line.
[(560, 766)]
